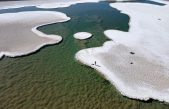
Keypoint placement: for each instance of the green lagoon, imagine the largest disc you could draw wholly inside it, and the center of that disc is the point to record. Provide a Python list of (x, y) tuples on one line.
[(52, 79)]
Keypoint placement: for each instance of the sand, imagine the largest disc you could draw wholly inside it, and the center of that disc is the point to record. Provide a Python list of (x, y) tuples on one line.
[(136, 62), (64, 4), (82, 35), (46, 4), (19, 35), (42, 3)]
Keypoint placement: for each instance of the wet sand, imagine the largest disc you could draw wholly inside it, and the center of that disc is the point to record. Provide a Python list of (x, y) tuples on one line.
[(19, 35)]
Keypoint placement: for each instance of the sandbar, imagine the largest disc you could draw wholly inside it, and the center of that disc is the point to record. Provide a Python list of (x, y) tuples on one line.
[(82, 35)]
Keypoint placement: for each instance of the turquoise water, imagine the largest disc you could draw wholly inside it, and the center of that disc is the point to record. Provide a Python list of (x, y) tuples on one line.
[(53, 79)]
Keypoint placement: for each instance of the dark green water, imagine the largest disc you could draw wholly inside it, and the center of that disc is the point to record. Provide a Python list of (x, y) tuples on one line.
[(52, 79)]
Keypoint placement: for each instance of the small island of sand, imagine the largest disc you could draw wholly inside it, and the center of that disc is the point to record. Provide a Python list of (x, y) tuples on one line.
[(82, 35)]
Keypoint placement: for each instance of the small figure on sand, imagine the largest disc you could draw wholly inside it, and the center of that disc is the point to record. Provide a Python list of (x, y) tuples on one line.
[(96, 64), (159, 19), (132, 53)]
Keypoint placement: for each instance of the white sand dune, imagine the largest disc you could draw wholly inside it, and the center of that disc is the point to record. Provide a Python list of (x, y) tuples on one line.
[(82, 35), (18, 33), (46, 4), (64, 3), (136, 62), (42, 3)]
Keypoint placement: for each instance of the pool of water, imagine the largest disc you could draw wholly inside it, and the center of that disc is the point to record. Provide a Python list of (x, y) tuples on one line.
[(53, 79)]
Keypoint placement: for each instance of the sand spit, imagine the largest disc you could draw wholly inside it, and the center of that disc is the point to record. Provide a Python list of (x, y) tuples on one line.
[(82, 35), (42, 3), (19, 34), (136, 62)]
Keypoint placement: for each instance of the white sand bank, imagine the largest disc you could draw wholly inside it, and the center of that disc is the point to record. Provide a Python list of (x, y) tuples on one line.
[(64, 4), (144, 73), (42, 3), (82, 35), (18, 33)]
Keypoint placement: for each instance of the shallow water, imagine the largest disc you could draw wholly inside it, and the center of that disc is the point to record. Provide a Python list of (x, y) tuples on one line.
[(53, 79)]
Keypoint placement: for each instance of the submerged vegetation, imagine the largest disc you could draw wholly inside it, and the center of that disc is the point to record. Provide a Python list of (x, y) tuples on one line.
[(52, 78)]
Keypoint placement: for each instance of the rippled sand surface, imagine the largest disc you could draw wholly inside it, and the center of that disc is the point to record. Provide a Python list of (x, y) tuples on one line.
[(53, 79)]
